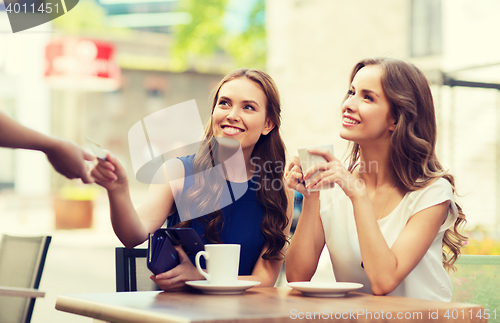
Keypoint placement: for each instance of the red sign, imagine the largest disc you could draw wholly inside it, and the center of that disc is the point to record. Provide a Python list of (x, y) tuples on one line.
[(82, 64)]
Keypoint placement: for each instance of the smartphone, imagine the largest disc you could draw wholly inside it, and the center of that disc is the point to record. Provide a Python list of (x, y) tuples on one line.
[(162, 255), (187, 238)]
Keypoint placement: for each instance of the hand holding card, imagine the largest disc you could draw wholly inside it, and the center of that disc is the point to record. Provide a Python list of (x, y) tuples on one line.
[(96, 148), (108, 172)]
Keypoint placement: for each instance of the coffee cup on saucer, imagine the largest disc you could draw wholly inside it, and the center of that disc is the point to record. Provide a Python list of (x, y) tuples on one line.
[(222, 263), (308, 160)]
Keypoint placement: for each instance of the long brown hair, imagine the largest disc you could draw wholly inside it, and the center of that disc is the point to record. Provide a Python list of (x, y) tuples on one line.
[(412, 145), (268, 158)]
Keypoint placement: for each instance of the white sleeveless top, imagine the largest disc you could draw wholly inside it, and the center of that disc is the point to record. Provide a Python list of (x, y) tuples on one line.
[(428, 280)]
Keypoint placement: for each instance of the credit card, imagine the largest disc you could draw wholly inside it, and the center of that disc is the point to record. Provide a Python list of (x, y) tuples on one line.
[(98, 151)]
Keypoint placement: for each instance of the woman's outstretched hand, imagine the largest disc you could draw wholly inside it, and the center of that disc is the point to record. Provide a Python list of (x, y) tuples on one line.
[(69, 160), (175, 279), (109, 173)]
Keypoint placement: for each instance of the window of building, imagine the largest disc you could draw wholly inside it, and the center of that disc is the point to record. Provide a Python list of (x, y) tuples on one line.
[(426, 30)]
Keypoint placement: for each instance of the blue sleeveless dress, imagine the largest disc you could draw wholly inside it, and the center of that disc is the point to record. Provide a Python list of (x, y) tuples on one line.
[(242, 221)]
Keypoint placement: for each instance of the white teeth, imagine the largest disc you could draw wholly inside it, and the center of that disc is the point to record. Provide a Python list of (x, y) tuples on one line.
[(350, 121), (232, 129)]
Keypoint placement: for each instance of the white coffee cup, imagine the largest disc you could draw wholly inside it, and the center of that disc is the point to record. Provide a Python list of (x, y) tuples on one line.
[(222, 263), (307, 160)]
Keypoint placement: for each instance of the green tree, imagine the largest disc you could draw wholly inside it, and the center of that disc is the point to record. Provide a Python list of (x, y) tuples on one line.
[(86, 17), (206, 35), (249, 48)]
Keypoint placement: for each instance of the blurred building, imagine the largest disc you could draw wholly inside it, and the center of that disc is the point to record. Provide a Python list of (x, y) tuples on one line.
[(314, 44)]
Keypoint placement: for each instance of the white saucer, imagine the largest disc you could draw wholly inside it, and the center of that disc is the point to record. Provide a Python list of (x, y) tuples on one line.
[(326, 289), (237, 288)]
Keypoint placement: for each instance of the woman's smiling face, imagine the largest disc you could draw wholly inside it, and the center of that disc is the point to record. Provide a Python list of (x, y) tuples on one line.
[(240, 112), (366, 111)]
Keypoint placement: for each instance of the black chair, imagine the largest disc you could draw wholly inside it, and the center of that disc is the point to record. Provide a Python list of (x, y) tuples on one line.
[(132, 273), (21, 264)]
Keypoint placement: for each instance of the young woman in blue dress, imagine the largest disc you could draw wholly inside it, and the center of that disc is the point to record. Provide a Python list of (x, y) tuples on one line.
[(391, 222), (245, 107)]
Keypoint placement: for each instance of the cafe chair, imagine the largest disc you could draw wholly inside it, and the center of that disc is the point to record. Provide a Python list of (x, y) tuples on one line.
[(132, 273), (21, 264), (477, 281)]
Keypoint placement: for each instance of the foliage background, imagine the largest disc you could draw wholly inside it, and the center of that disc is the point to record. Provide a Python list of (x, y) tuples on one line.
[(219, 26)]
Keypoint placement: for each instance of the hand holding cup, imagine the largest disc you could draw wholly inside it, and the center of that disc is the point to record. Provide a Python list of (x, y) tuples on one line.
[(309, 158)]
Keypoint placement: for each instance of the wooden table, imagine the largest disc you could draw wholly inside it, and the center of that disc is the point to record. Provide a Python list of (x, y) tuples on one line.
[(263, 305)]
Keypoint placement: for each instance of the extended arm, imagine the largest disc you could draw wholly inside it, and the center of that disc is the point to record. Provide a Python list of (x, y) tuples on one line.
[(67, 158), (130, 225), (15, 135)]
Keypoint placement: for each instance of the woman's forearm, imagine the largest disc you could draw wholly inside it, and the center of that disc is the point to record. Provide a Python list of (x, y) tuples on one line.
[(126, 222), (379, 261), (15, 135), (307, 242)]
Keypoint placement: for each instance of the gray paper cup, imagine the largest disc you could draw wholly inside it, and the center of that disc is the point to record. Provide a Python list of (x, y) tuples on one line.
[(307, 160)]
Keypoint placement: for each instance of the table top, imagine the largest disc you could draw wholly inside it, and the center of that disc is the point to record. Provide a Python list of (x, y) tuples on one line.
[(262, 305)]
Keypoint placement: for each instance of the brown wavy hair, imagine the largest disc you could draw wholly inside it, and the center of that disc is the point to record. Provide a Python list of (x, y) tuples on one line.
[(207, 190), (413, 142)]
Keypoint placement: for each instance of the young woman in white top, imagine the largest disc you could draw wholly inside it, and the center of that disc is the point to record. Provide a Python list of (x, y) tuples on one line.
[(391, 221)]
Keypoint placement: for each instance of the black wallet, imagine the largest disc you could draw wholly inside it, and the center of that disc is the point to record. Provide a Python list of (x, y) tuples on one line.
[(162, 255)]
